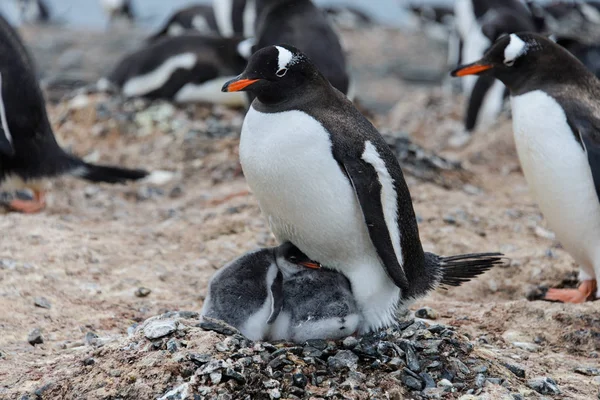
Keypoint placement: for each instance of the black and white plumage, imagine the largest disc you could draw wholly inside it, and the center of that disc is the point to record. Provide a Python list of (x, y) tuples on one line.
[(187, 68), (196, 18), (327, 182), (118, 9), (29, 153), (589, 55), (479, 23), (235, 17), (33, 10), (301, 24), (556, 123)]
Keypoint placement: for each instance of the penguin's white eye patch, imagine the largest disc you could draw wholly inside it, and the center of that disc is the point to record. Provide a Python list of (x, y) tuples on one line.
[(281, 72), (515, 49)]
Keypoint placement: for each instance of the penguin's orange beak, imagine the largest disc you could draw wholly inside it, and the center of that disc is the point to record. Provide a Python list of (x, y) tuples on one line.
[(238, 84), (471, 69), (311, 265)]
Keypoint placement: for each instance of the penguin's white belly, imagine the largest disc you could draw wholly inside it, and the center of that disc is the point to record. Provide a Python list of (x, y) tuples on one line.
[(307, 199), (559, 176), (288, 164)]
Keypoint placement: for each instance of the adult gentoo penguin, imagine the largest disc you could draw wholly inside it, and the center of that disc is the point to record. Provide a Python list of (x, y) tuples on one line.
[(199, 18), (327, 182), (556, 123), (301, 24), (187, 68), (29, 153), (235, 17), (248, 294)]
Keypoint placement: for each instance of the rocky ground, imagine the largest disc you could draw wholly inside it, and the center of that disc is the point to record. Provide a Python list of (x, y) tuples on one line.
[(81, 283)]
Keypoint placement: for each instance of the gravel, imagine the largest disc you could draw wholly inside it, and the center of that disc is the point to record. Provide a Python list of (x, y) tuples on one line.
[(35, 337), (543, 385)]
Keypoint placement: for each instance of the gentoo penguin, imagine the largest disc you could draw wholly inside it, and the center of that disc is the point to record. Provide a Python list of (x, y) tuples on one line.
[(187, 68), (301, 24), (317, 303), (479, 23), (235, 17), (589, 55), (327, 181), (556, 123), (117, 9), (33, 10), (197, 18), (248, 293), (29, 153)]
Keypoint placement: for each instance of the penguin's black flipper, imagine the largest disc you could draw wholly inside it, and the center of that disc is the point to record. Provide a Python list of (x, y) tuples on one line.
[(6, 147), (587, 133), (456, 270), (101, 173), (481, 88), (277, 294), (365, 181)]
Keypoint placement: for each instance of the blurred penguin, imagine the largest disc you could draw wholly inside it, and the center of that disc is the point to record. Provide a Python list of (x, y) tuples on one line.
[(198, 18), (33, 11), (118, 10), (235, 17)]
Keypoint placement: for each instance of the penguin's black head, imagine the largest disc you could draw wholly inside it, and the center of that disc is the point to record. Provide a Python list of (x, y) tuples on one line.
[(273, 72), (523, 60), (291, 259)]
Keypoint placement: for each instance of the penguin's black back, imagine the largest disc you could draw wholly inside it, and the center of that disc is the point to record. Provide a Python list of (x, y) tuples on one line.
[(481, 7), (301, 24)]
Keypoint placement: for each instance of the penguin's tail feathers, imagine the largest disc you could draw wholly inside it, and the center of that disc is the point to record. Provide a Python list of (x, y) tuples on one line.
[(108, 174), (456, 270)]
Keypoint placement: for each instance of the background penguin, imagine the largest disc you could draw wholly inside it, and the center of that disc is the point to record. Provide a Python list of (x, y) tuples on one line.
[(198, 18), (317, 303), (33, 10), (29, 153), (187, 68), (301, 24), (340, 196), (118, 9), (235, 17), (556, 122)]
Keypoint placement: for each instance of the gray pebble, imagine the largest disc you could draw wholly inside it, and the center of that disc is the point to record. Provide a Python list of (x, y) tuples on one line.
[(89, 361), (199, 358), (41, 302), (350, 342), (344, 359), (159, 328), (479, 380), (412, 382), (91, 339), (543, 385), (35, 337), (233, 374), (115, 372), (210, 324), (299, 380), (142, 292), (426, 312), (589, 371), (517, 370)]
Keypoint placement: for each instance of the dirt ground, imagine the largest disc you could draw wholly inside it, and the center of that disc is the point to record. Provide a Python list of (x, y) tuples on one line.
[(96, 245)]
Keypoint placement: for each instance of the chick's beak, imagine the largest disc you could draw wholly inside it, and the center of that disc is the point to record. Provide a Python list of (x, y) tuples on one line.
[(471, 69), (238, 84)]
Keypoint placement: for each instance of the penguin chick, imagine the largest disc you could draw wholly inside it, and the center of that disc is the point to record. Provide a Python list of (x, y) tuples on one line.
[(29, 153), (327, 181), (317, 303), (556, 124)]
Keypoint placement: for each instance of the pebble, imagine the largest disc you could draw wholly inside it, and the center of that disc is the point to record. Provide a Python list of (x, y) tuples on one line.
[(159, 328), (42, 302), (589, 371), (35, 337), (89, 361), (300, 380), (445, 384), (200, 358), (426, 312), (543, 385), (411, 381), (209, 324), (91, 339), (142, 292), (344, 359), (534, 348), (517, 370), (350, 342)]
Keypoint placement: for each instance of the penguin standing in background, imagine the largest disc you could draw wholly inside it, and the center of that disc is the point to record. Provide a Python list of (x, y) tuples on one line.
[(301, 24), (33, 10), (556, 122), (317, 303), (235, 17), (118, 9), (197, 18), (187, 68), (29, 153), (327, 182)]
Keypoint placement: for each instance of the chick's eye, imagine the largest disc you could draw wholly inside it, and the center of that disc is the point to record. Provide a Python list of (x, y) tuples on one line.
[(293, 259), (509, 63), (281, 72)]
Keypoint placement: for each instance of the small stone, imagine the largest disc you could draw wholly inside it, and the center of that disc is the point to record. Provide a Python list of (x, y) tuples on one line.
[(427, 379), (350, 342), (215, 377), (426, 312), (212, 366), (199, 358), (35, 337), (411, 358), (274, 394), (479, 380), (527, 346), (159, 328), (115, 372), (300, 380), (142, 292), (91, 339), (233, 374), (544, 233), (41, 302), (589, 371), (411, 381), (494, 381), (176, 393), (270, 384), (222, 347), (396, 363), (344, 359), (468, 397), (173, 345), (445, 384), (543, 385), (517, 370), (310, 351), (210, 324), (89, 361)]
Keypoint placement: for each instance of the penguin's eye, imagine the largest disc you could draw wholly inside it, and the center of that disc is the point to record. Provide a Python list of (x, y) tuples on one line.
[(509, 63), (281, 72), (293, 259)]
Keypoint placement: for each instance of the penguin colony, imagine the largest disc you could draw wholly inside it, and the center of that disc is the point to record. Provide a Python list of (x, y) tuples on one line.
[(332, 191)]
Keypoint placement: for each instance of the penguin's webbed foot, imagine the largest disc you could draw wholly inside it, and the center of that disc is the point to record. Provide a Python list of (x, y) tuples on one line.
[(37, 204), (585, 292)]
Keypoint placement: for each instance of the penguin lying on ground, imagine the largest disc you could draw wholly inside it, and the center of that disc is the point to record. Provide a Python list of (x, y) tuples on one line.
[(326, 181), (556, 122), (277, 294), (187, 68), (301, 24), (198, 18), (29, 153)]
